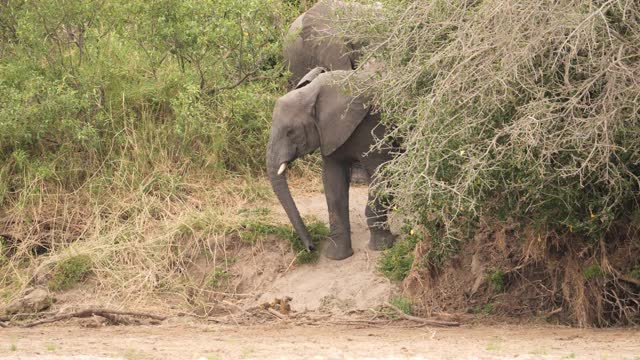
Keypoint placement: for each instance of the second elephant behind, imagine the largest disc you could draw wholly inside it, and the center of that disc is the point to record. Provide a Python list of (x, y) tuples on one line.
[(313, 41)]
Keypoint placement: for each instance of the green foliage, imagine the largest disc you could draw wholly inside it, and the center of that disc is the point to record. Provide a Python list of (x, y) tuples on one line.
[(217, 277), (487, 309), (118, 86), (496, 278), (3, 249), (635, 273), (70, 271), (403, 304), (593, 271), (254, 229), (395, 263)]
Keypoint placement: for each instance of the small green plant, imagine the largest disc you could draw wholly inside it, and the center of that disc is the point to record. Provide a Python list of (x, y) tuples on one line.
[(487, 309), (51, 347), (3, 257), (70, 271), (592, 272), (494, 344), (569, 356), (396, 262), (403, 304), (539, 351), (217, 277), (496, 278), (635, 273)]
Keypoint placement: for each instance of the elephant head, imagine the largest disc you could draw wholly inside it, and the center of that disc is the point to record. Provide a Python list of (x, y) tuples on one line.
[(317, 114)]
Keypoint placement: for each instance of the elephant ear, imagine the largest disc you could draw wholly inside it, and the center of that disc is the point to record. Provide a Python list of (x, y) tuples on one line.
[(310, 76), (338, 114)]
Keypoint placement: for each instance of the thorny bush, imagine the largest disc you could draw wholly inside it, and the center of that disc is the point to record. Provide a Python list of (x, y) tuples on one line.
[(527, 111)]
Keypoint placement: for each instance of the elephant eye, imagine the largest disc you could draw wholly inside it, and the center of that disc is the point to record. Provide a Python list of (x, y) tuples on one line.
[(289, 132)]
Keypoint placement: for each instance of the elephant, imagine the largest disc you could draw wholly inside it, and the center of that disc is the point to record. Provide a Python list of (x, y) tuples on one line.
[(318, 114), (312, 41)]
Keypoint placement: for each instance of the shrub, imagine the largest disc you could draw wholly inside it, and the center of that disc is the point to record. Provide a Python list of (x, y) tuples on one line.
[(592, 272), (70, 271), (403, 304), (496, 278), (512, 108), (86, 87), (519, 111)]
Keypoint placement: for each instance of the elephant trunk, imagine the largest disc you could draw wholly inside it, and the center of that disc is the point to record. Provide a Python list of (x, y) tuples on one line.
[(281, 189)]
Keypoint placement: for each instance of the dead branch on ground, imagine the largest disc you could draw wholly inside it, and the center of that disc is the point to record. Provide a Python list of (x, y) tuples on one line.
[(111, 315), (421, 320)]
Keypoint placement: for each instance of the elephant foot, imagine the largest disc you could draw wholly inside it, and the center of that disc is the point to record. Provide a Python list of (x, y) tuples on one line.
[(381, 239), (336, 251)]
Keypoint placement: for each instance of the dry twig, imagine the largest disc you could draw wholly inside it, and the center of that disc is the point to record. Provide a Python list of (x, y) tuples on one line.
[(421, 320), (277, 314)]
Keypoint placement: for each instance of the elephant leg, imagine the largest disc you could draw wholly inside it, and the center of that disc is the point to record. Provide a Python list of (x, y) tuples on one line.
[(376, 211), (335, 177), (380, 236), (359, 174)]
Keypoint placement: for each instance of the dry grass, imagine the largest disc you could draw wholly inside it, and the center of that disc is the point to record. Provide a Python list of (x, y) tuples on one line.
[(141, 243)]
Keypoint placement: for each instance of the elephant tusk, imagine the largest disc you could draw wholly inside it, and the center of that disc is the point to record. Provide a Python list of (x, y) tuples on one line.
[(283, 167)]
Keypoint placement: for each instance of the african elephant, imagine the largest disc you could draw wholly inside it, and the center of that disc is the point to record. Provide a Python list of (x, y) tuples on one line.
[(319, 114), (312, 40)]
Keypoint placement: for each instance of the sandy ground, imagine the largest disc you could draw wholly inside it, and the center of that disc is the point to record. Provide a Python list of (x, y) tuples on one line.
[(180, 341), (330, 285)]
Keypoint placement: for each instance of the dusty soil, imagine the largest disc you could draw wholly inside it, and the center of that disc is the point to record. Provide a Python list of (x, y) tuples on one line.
[(196, 341), (328, 287)]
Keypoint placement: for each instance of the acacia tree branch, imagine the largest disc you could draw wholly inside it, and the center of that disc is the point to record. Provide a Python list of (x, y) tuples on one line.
[(248, 77)]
